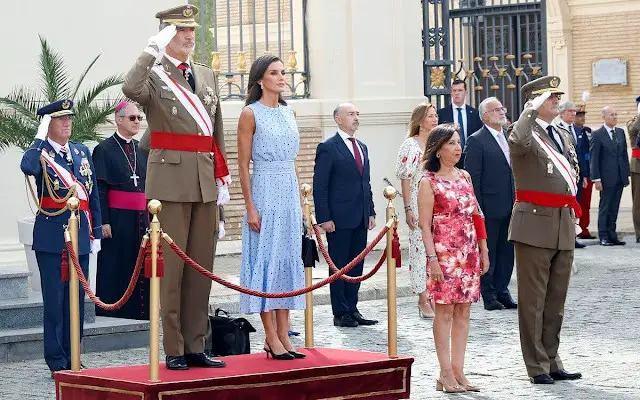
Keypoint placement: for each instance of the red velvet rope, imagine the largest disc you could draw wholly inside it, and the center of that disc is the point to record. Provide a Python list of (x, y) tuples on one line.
[(188, 261), (87, 288), (334, 269)]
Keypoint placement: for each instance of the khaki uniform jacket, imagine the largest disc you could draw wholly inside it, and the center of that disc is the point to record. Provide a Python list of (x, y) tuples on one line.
[(176, 176), (633, 127), (545, 227)]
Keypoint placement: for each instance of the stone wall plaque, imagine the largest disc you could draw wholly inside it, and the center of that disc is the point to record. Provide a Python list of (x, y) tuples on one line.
[(610, 71)]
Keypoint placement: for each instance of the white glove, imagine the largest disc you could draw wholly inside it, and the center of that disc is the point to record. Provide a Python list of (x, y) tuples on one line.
[(95, 246), (43, 128), (537, 102), (162, 38), (223, 195), (221, 231)]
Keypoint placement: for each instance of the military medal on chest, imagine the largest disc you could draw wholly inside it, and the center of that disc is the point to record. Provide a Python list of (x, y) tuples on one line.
[(85, 170), (549, 167)]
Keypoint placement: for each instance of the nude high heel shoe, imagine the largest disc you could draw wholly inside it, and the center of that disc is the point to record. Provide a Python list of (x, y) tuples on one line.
[(442, 387)]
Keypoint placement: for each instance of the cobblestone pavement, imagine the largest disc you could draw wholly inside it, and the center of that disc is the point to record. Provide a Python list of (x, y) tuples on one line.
[(600, 338)]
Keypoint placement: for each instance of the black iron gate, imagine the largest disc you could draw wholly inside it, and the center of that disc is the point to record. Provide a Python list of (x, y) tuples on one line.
[(496, 46)]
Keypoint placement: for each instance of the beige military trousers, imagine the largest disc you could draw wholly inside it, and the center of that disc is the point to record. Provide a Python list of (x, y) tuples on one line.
[(543, 280), (184, 293)]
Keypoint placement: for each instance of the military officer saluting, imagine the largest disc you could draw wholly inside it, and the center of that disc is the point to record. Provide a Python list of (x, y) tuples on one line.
[(61, 169), (186, 170), (543, 226)]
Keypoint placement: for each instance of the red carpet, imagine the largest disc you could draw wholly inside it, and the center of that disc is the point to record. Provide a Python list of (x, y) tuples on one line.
[(324, 374)]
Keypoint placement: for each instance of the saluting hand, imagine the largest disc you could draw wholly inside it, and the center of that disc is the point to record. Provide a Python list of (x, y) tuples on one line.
[(538, 101), (43, 128), (162, 38)]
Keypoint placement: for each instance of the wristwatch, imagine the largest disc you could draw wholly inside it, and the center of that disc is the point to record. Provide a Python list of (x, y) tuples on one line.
[(432, 257)]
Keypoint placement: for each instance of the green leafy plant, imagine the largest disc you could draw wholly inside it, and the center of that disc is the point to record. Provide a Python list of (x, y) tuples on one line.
[(18, 120)]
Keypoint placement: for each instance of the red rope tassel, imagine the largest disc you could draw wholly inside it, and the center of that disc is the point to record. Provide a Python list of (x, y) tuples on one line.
[(160, 265), (147, 262), (64, 266), (395, 248)]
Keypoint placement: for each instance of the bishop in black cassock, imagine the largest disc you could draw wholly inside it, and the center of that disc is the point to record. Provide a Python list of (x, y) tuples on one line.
[(120, 175)]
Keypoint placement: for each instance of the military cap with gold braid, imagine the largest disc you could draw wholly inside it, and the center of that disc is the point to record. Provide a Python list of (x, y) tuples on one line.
[(181, 16), (541, 85), (57, 109)]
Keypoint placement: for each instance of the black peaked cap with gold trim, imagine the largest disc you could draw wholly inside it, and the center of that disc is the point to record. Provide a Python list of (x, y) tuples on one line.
[(182, 16), (57, 109)]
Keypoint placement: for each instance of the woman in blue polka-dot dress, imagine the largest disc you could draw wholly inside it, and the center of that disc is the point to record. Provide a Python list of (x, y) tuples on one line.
[(272, 224)]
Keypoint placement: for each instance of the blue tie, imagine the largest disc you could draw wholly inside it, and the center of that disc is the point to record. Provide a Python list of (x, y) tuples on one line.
[(461, 124)]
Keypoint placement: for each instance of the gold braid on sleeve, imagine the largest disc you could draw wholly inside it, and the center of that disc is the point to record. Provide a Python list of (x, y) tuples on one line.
[(46, 180)]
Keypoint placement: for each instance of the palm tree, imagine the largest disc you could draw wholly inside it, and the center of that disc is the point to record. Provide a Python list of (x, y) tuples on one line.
[(18, 121)]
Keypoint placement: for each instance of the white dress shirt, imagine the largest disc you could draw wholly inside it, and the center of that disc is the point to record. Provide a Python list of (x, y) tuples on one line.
[(58, 146), (557, 137), (345, 137), (609, 129), (464, 117), (502, 142), (571, 129), (177, 62)]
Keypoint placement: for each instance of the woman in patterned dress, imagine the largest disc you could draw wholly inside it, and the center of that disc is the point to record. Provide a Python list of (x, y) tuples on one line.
[(408, 169), (272, 224), (455, 256)]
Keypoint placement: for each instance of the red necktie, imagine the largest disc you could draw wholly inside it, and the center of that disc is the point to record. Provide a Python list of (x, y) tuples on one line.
[(356, 153)]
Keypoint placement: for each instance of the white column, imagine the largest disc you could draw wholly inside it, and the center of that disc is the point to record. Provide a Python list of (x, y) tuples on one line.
[(368, 52)]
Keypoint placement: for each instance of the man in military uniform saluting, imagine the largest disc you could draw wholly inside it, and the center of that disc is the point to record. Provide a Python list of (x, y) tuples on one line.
[(543, 227), (633, 128), (186, 170), (61, 169)]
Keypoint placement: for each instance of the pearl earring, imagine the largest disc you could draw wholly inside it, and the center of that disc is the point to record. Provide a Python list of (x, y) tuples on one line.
[(261, 86), (437, 155)]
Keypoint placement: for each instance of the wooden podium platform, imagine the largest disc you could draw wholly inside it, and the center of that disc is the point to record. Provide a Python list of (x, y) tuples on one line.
[(323, 374)]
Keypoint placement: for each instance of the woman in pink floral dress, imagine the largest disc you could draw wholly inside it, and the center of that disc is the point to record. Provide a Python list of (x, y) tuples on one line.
[(455, 256), (409, 170)]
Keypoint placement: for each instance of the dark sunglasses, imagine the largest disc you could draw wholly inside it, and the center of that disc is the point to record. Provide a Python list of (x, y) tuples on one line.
[(133, 117)]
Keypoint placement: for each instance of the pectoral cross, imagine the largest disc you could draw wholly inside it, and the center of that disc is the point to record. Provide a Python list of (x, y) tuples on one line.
[(134, 177)]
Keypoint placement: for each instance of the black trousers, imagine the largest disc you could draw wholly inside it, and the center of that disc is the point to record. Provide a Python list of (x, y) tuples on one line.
[(495, 283), (344, 246), (608, 211)]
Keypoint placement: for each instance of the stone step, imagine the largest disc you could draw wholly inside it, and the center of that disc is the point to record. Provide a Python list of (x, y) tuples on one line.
[(27, 312), (103, 334), (14, 283)]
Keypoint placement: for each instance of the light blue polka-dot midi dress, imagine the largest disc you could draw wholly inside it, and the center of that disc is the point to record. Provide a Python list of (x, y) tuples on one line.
[(271, 258)]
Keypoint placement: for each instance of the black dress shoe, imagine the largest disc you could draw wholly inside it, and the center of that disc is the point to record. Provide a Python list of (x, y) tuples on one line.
[(362, 320), (618, 242), (509, 304), (606, 243), (344, 320), (542, 379), (586, 236), (638, 240), (579, 245), (177, 363), (203, 360), (493, 305), (562, 375)]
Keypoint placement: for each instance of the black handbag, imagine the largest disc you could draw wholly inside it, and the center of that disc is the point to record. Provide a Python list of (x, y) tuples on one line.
[(229, 336), (309, 250)]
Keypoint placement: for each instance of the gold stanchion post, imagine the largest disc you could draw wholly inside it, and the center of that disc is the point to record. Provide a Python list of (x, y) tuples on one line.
[(308, 277), (154, 208), (74, 287), (392, 335)]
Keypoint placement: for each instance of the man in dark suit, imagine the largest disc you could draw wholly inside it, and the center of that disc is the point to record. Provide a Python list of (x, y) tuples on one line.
[(610, 174), (344, 208), (488, 162), (566, 120), (458, 112)]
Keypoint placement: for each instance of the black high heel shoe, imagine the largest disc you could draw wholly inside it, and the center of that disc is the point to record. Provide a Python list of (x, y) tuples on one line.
[(283, 356), (296, 354)]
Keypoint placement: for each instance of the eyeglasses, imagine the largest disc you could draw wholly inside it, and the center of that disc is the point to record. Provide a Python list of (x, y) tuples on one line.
[(134, 117), (503, 109)]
